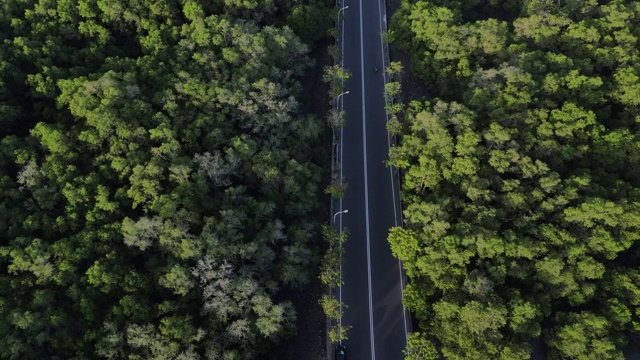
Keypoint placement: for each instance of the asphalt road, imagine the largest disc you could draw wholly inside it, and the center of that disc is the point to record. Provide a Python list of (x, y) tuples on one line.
[(373, 280)]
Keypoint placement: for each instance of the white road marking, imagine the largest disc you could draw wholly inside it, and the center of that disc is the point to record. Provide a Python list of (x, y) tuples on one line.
[(341, 147), (393, 192), (366, 190)]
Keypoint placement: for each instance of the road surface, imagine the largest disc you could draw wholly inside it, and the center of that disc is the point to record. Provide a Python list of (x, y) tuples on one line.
[(373, 280)]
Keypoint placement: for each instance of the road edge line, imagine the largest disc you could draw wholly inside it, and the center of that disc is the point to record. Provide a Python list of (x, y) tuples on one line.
[(393, 192)]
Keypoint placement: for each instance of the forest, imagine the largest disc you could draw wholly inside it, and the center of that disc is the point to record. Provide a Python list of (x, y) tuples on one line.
[(160, 183), (521, 178)]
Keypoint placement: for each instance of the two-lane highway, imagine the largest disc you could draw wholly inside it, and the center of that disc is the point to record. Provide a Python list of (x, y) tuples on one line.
[(373, 280)]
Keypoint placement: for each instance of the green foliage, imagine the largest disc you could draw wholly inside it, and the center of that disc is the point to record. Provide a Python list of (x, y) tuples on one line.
[(521, 193), (330, 268), (331, 307), (584, 336), (394, 70), (331, 276), (336, 190), (158, 181), (335, 76), (394, 126), (420, 348), (338, 334), (392, 90), (336, 118), (311, 21), (335, 52), (177, 279)]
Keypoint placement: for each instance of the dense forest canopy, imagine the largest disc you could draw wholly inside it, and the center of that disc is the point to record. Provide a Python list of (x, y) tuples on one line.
[(521, 177), (158, 182)]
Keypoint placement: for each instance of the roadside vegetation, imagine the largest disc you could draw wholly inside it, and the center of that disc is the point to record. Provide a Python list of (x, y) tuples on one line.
[(331, 277), (521, 178), (331, 265), (159, 185)]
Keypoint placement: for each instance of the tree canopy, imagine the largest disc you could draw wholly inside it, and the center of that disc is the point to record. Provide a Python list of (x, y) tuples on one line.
[(521, 182), (159, 183)]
